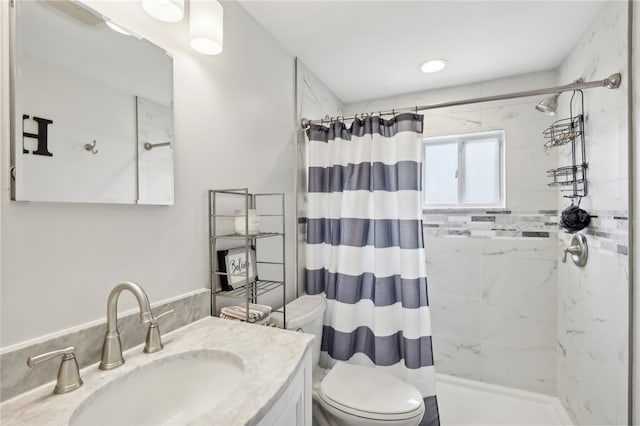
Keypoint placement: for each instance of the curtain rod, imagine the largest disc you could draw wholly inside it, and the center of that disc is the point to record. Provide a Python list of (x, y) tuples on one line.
[(611, 82)]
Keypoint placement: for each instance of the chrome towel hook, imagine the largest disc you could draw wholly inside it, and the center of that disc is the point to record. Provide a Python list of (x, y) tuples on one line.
[(91, 147)]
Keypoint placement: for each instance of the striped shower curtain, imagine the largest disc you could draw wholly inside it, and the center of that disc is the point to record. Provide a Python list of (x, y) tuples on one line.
[(365, 249)]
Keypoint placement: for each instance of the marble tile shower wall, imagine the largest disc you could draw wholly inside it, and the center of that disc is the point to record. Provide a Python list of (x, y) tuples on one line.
[(495, 319), (493, 309), (608, 229), (593, 364)]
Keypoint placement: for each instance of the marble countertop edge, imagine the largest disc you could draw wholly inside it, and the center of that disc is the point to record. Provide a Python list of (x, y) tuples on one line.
[(270, 357)]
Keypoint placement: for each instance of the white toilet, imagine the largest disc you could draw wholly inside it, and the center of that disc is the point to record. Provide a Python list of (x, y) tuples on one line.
[(351, 395)]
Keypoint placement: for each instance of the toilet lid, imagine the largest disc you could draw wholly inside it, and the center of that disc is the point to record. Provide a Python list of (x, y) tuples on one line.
[(369, 392)]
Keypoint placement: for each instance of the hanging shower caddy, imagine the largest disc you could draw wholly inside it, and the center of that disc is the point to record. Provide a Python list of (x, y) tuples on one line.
[(572, 179)]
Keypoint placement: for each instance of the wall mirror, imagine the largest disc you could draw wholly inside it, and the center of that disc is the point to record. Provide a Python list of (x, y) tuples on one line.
[(92, 109)]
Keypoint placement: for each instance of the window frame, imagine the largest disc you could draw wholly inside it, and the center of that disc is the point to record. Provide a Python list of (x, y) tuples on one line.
[(461, 140)]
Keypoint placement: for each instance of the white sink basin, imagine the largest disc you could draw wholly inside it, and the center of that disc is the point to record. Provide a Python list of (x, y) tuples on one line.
[(169, 391)]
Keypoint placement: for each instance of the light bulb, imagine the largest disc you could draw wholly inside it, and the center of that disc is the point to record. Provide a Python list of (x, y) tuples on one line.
[(205, 26), (433, 65), (164, 10)]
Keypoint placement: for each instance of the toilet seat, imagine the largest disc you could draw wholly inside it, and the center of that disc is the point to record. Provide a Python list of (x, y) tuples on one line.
[(370, 393)]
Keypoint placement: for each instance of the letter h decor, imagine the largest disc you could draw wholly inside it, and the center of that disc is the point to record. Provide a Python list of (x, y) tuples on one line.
[(41, 136)]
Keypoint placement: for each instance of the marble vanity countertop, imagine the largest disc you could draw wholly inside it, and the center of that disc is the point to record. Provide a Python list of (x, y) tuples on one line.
[(270, 356)]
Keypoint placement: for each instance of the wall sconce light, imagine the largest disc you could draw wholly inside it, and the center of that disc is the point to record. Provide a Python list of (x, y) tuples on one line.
[(205, 21), (205, 26), (165, 10)]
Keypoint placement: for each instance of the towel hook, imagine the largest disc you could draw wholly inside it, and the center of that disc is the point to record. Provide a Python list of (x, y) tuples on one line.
[(91, 147)]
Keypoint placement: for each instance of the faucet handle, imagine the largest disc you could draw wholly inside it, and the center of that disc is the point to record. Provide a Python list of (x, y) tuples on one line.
[(68, 373), (153, 342), (573, 250), (578, 250), (164, 314)]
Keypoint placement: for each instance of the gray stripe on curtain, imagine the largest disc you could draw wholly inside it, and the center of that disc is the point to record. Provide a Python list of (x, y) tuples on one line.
[(382, 350), (431, 412), (406, 122), (401, 176), (382, 291), (380, 233)]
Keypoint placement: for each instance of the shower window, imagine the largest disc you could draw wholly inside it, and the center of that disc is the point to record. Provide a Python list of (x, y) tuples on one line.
[(464, 171)]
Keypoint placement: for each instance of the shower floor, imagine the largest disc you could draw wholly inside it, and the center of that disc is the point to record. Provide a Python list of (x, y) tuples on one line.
[(468, 402)]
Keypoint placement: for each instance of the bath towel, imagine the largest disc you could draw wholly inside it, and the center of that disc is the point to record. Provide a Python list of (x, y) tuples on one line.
[(257, 313)]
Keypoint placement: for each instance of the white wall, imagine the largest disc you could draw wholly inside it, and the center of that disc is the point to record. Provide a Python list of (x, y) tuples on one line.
[(233, 128), (593, 301)]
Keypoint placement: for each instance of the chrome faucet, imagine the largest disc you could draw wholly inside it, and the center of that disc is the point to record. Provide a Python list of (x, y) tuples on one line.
[(112, 348)]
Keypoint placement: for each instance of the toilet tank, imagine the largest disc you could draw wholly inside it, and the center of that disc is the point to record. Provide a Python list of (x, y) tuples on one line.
[(305, 314)]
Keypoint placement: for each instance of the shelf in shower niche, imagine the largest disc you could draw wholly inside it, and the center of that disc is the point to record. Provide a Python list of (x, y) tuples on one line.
[(563, 131)]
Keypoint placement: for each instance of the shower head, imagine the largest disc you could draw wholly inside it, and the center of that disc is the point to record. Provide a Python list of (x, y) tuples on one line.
[(549, 105)]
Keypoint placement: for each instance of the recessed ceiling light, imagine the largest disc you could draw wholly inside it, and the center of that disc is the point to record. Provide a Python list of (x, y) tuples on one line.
[(433, 65)]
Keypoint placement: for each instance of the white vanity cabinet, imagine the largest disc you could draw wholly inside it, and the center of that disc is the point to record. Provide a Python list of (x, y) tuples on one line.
[(293, 407)]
